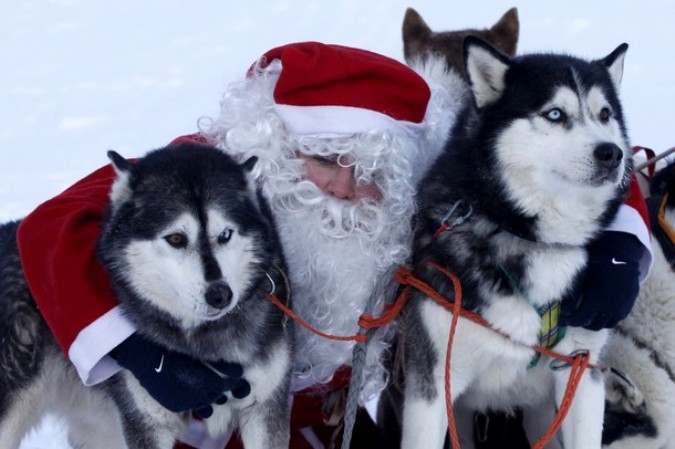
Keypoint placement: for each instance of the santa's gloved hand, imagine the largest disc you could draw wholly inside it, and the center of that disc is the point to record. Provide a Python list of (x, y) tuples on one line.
[(606, 291), (177, 381)]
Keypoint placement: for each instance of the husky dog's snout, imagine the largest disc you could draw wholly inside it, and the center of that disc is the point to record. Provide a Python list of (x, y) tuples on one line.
[(218, 295), (608, 155)]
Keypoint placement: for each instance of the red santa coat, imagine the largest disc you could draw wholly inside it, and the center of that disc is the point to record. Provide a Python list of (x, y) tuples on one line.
[(56, 244)]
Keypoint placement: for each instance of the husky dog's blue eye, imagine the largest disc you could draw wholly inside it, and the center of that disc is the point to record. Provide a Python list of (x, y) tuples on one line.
[(177, 240), (555, 115), (605, 115), (225, 236)]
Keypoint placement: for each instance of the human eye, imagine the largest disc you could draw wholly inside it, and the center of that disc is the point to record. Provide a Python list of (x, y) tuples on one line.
[(325, 160)]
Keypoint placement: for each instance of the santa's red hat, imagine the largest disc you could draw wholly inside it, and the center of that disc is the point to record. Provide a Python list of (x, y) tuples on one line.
[(330, 90)]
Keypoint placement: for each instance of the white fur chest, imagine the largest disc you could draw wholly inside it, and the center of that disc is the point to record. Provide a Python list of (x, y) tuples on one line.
[(550, 271), (547, 270)]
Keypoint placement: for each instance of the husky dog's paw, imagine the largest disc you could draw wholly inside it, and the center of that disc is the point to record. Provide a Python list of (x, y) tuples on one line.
[(621, 392)]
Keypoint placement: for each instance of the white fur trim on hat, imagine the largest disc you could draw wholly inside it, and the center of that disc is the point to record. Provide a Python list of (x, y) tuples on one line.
[(337, 121)]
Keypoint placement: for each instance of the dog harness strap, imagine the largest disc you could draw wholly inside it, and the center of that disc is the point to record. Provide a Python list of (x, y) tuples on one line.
[(445, 222), (661, 229)]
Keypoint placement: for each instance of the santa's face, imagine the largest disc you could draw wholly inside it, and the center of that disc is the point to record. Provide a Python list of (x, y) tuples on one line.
[(334, 175)]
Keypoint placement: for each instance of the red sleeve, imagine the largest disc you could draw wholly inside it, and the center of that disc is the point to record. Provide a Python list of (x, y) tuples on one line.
[(637, 201), (56, 244)]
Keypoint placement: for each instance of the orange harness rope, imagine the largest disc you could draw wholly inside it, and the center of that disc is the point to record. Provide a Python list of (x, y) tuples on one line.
[(407, 278), (579, 362)]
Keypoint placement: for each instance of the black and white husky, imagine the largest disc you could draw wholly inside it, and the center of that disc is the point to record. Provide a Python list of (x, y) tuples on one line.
[(202, 195), (537, 165), (640, 410)]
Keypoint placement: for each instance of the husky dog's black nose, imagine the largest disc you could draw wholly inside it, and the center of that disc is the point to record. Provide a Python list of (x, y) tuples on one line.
[(218, 295), (608, 155)]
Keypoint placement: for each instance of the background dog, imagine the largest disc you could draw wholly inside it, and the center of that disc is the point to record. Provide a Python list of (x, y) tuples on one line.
[(640, 412), (170, 213), (421, 42), (536, 166)]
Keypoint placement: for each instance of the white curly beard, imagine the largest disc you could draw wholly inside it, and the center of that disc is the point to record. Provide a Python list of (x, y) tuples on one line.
[(335, 262)]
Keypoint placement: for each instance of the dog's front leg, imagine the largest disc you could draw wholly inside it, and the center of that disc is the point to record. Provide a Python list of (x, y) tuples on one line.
[(263, 426), (424, 409), (582, 429), (424, 422)]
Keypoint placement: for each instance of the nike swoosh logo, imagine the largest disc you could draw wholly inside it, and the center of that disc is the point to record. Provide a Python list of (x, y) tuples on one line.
[(617, 262), (161, 365)]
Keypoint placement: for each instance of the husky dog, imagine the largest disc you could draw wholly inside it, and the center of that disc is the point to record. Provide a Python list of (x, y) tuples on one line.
[(536, 167), (438, 58), (192, 252), (421, 42), (640, 410)]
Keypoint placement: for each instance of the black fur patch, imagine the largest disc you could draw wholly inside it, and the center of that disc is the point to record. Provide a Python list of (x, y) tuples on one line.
[(620, 423)]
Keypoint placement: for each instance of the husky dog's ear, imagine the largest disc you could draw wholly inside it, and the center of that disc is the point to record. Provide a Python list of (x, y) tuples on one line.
[(120, 190), (248, 166), (614, 64), (621, 391), (249, 163), (486, 68), (505, 32), (416, 33)]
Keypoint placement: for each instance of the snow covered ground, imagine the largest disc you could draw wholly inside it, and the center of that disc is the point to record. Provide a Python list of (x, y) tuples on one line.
[(80, 77)]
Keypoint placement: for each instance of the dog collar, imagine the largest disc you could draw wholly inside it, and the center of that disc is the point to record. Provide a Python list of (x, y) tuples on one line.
[(550, 332)]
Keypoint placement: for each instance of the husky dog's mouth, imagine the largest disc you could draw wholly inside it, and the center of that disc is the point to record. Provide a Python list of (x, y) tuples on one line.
[(597, 179), (210, 314), (603, 176)]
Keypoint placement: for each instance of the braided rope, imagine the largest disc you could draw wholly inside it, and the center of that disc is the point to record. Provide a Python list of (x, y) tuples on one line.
[(382, 287)]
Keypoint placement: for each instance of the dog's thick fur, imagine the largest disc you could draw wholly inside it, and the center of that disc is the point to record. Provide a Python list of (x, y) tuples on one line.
[(537, 165), (226, 241), (420, 42), (640, 412)]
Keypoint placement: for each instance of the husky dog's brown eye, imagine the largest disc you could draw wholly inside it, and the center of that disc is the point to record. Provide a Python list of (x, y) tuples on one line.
[(555, 115), (605, 115), (177, 240), (225, 236)]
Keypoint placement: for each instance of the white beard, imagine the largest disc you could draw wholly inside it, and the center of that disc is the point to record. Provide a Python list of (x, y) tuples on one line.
[(333, 270)]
